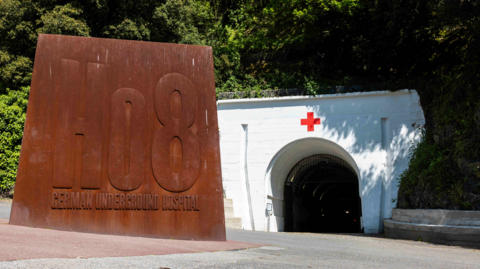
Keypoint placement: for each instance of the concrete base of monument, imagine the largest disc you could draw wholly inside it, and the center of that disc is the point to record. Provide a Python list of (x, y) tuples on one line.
[(20, 243), (450, 227)]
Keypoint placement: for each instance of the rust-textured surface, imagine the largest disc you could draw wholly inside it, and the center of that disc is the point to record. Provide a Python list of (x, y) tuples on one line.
[(121, 137)]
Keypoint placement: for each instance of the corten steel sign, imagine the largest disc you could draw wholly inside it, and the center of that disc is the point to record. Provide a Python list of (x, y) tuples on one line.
[(121, 137)]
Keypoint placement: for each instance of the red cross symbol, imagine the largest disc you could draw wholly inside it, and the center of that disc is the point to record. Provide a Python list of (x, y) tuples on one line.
[(310, 121)]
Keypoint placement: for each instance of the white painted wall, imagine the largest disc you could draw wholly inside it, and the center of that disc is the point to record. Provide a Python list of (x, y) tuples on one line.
[(262, 139)]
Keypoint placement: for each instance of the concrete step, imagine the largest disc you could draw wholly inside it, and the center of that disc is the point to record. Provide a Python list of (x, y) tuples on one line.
[(233, 223), (230, 220), (227, 202), (229, 215), (229, 212)]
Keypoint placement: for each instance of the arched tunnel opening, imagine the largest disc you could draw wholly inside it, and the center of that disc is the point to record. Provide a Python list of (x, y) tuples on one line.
[(321, 196)]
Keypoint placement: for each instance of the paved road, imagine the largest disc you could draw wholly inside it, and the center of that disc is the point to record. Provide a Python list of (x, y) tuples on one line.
[(5, 206), (289, 250)]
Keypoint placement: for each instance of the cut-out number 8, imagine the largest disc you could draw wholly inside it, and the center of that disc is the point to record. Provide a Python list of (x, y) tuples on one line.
[(175, 149)]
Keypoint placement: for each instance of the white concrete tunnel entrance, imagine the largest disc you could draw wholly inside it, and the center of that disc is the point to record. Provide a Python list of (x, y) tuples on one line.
[(313, 185)]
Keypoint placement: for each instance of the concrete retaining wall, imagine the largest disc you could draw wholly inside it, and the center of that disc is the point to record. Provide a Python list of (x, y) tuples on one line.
[(437, 217), (460, 228)]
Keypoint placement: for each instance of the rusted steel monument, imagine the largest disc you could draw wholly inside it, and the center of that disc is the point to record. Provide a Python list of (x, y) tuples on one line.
[(121, 137)]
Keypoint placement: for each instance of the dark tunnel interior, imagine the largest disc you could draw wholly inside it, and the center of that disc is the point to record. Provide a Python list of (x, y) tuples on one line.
[(321, 196)]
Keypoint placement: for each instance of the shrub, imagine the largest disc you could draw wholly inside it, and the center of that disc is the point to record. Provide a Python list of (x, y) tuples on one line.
[(13, 108)]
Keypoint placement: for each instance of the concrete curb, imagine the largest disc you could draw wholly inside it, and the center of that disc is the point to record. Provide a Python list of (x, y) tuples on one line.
[(442, 234)]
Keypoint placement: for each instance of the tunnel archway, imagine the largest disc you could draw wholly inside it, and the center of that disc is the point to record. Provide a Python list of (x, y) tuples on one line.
[(321, 195), (282, 163)]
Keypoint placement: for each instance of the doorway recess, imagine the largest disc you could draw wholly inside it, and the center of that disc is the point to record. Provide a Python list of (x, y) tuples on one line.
[(322, 195)]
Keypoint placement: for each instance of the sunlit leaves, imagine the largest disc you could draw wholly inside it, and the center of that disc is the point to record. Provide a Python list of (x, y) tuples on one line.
[(128, 29), (13, 107), (182, 21), (63, 20)]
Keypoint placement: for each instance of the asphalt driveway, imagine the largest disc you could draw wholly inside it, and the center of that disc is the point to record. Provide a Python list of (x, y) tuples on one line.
[(283, 250)]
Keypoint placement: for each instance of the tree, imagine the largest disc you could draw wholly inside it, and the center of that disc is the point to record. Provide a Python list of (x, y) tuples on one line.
[(178, 21)]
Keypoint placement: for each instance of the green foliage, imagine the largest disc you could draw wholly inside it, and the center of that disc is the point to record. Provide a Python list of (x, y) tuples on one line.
[(435, 180), (309, 44), (62, 20), (261, 45), (178, 21), (13, 108), (444, 167), (182, 21), (426, 168), (14, 70), (258, 45)]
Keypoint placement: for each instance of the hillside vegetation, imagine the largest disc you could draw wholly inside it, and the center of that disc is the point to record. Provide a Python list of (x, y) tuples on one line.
[(428, 45)]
